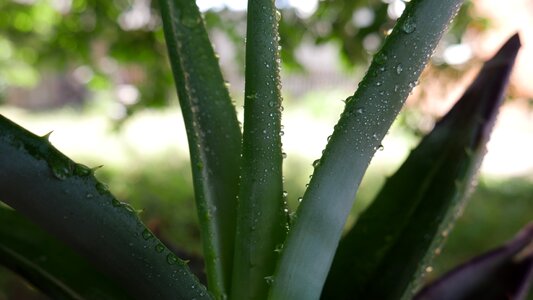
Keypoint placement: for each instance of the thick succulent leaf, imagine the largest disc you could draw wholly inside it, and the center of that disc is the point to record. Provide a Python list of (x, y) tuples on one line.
[(65, 199), (213, 133), (503, 273), (261, 220), (317, 227), (49, 264), (394, 240)]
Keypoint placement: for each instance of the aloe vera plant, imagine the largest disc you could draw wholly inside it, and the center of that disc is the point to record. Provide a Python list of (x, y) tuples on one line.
[(253, 249)]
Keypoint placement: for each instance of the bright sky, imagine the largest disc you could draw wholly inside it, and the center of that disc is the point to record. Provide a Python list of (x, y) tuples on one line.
[(304, 7)]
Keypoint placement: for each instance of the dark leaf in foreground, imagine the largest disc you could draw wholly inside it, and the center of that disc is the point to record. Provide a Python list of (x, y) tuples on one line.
[(66, 200), (49, 264), (503, 273)]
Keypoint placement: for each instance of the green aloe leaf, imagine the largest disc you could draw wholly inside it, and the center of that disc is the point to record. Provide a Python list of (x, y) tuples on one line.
[(261, 222), (65, 199), (49, 264), (316, 231), (394, 240), (503, 273), (213, 133)]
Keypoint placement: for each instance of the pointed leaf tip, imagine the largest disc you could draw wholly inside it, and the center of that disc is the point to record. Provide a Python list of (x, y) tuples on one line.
[(47, 136), (512, 45), (483, 97), (506, 55)]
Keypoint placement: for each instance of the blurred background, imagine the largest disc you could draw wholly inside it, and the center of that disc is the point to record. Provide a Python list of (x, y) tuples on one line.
[(97, 74)]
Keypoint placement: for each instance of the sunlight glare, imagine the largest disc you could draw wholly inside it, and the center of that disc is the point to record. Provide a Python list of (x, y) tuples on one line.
[(304, 8)]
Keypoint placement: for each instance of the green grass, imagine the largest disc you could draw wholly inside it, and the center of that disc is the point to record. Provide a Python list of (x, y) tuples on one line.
[(497, 210), (159, 182)]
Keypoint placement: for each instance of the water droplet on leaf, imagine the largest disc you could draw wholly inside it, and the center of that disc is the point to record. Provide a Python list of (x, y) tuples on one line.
[(147, 234), (61, 170), (381, 58), (190, 21), (159, 248), (116, 203), (409, 25), (82, 170), (399, 69), (172, 259), (269, 279), (316, 163), (102, 188)]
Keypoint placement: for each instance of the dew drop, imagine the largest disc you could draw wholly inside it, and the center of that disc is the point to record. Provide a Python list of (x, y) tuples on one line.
[(269, 279), (116, 203), (285, 194), (283, 155), (271, 103), (159, 248), (409, 25), (300, 199), (146, 234), (316, 163), (399, 69), (190, 21), (381, 58), (102, 188), (172, 259), (60, 170), (82, 170)]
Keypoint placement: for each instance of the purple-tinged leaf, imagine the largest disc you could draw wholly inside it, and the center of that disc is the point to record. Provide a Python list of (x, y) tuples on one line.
[(503, 273)]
